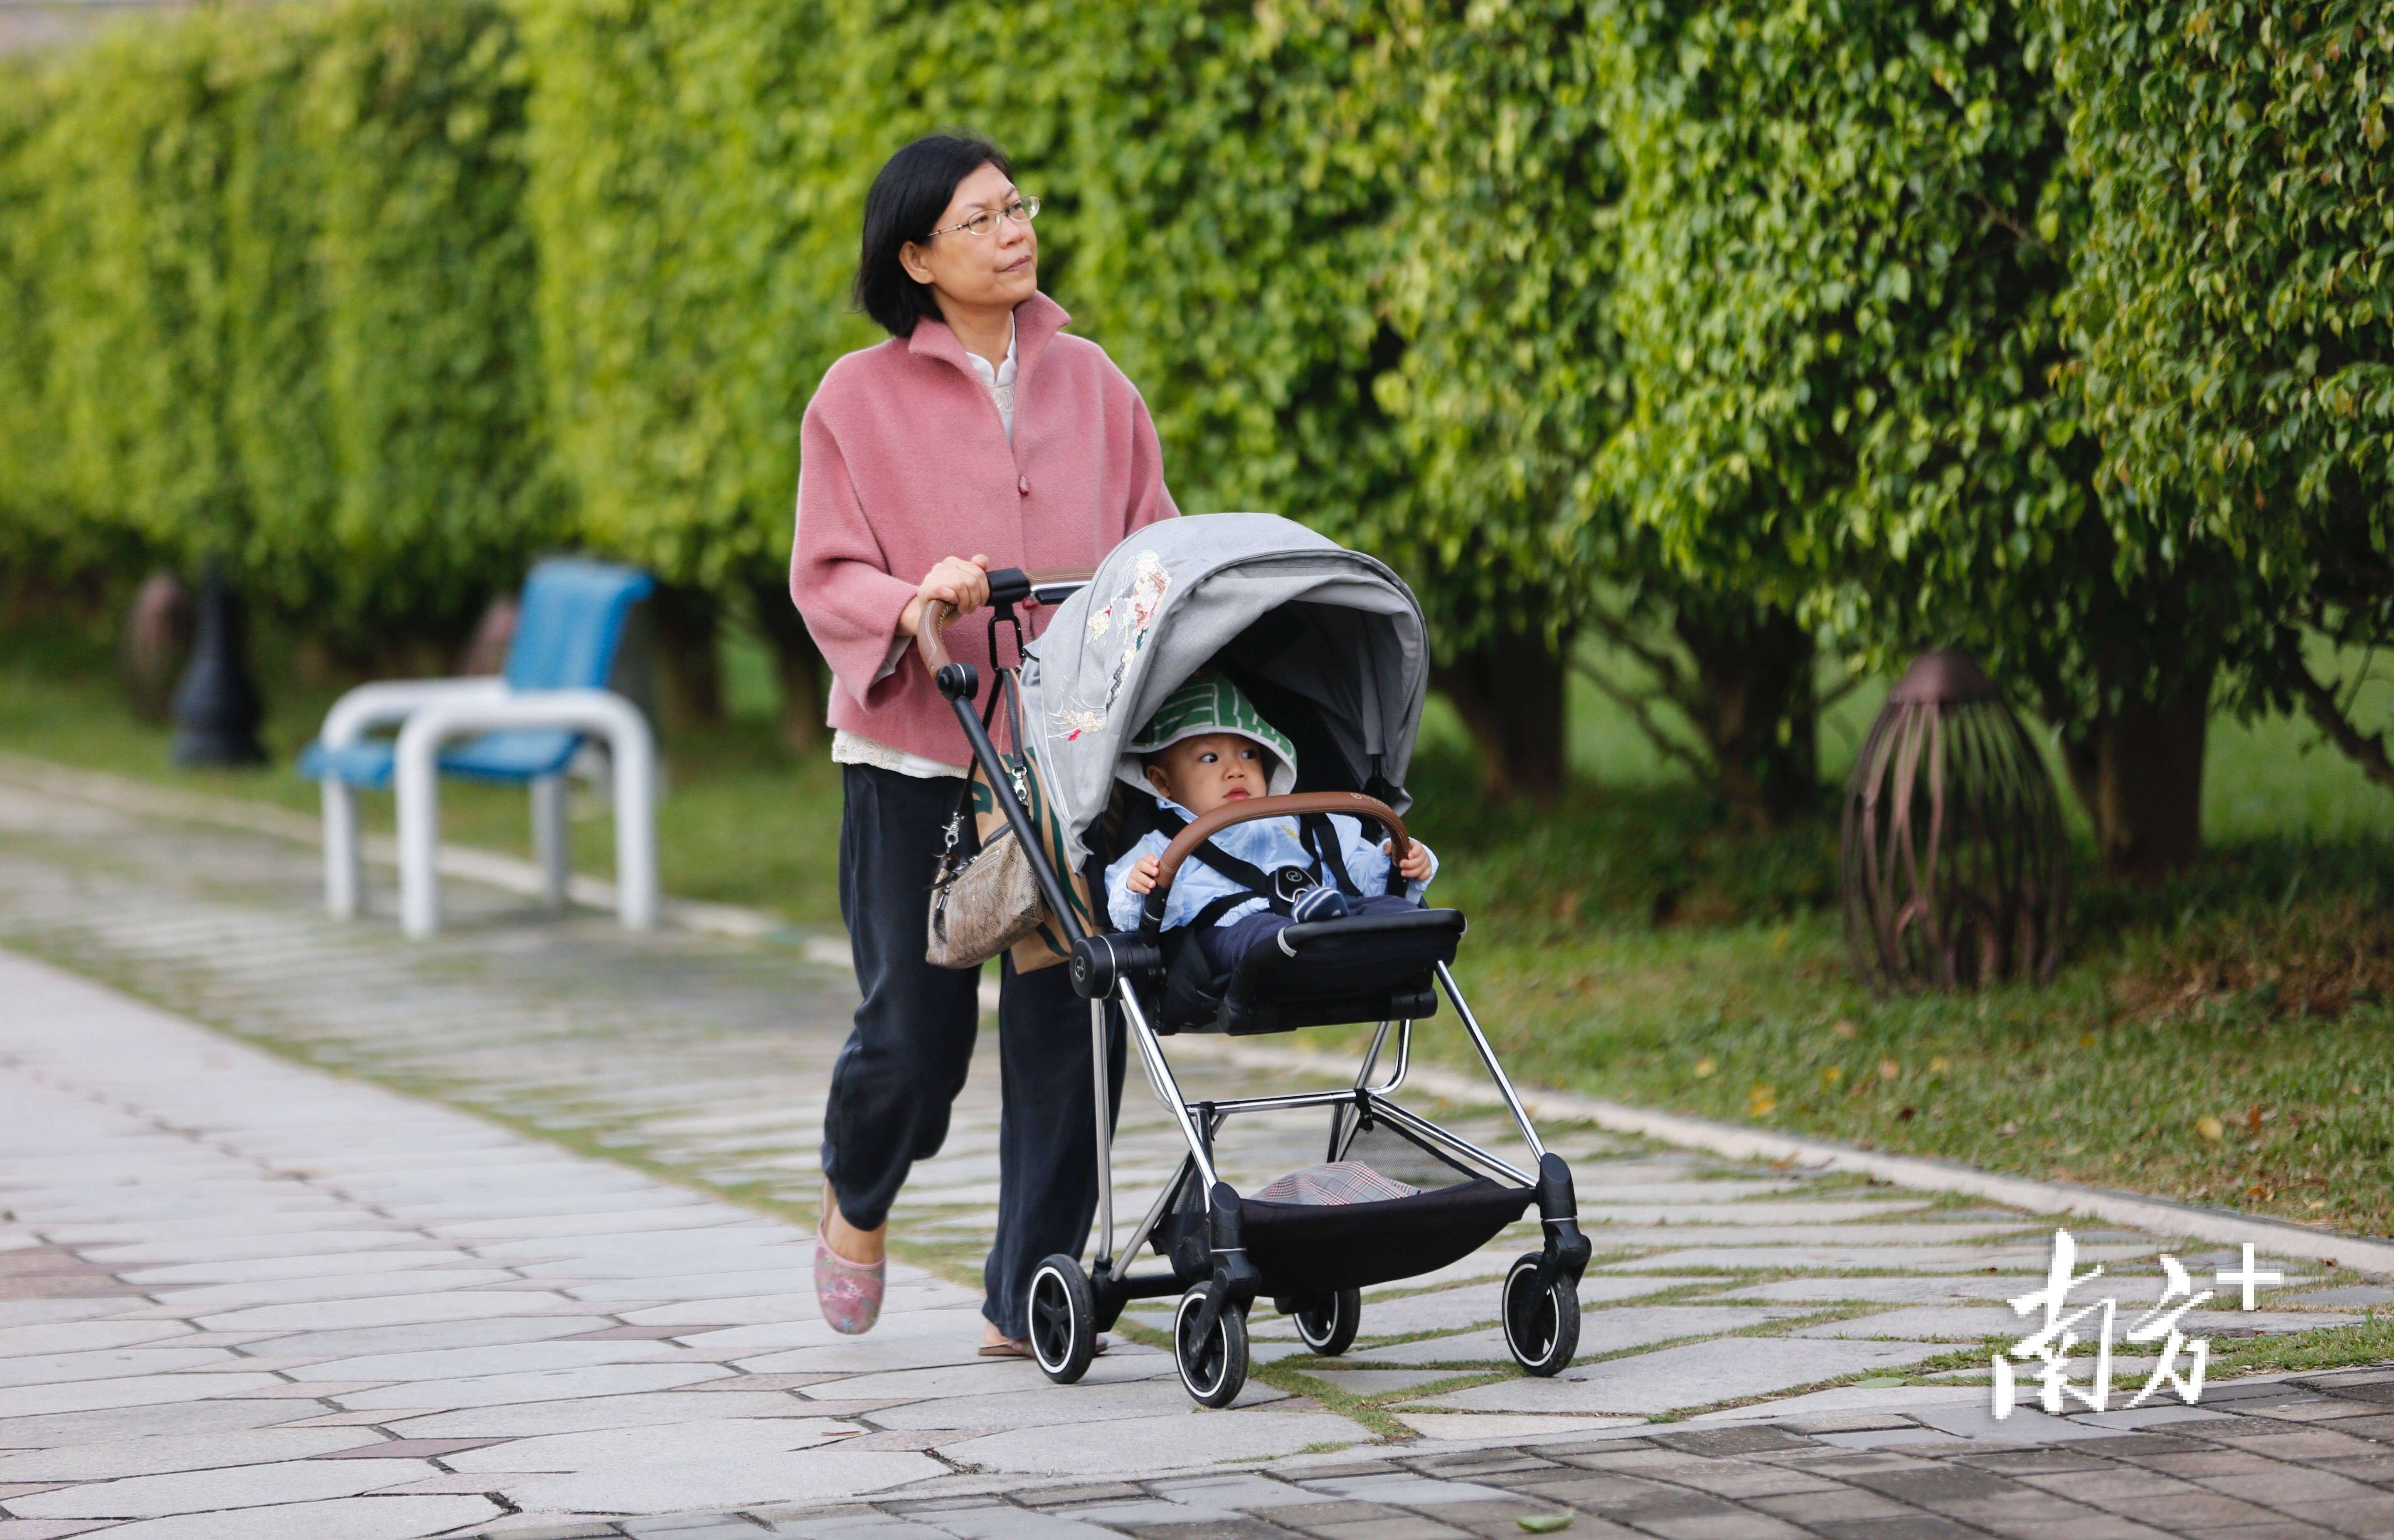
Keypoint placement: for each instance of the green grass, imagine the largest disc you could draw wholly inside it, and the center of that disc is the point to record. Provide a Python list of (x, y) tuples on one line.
[(2227, 1038)]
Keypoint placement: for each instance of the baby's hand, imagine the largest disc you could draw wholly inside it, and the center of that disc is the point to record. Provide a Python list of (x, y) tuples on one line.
[(1416, 867), (1143, 875)]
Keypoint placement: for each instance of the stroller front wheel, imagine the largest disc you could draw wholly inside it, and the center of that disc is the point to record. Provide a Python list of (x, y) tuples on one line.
[(1541, 1326), (1215, 1370), (1063, 1320), (1327, 1325)]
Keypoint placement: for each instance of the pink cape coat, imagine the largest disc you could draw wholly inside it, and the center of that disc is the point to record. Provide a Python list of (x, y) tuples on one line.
[(904, 460)]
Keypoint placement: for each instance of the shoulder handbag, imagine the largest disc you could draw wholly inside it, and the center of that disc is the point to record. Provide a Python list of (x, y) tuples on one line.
[(986, 903)]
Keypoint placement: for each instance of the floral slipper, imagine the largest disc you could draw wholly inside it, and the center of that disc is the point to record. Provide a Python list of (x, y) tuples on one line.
[(849, 1292)]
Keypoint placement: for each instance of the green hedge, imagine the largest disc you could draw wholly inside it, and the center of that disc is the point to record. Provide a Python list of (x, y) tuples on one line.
[(2235, 286), (286, 307), (2057, 327), (689, 297)]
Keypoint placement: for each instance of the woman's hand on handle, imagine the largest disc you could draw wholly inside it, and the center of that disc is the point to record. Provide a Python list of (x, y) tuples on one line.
[(961, 584)]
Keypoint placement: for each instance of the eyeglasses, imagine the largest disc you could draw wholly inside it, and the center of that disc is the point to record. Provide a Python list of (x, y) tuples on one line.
[(1021, 211)]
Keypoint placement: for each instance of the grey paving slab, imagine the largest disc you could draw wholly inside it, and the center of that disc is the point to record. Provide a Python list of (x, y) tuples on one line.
[(109, 1459), (449, 1363), (61, 1430), (350, 1519), (670, 1486), (1173, 1440), (532, 1384), (1607, 1330), (526, 1419), (130, 1390), (700, 1439), (205, 1491), (1927, 1323), (71, 1336), (1695, 1374), (428, 1336), (101, 1363)]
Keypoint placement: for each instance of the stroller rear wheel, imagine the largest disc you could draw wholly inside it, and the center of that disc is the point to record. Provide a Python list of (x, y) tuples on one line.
[(1063, 1320), (1328, 1323), (1541, 1326), (1215, 1370)]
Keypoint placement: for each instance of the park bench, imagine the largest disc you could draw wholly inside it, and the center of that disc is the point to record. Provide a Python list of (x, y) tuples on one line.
[(523, 727)]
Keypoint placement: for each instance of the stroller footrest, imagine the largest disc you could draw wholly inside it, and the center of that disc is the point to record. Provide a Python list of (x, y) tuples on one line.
[(1300, 941), (1367, 968)]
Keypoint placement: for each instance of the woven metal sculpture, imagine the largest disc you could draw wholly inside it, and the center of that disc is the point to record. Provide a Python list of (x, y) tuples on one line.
[(1953, 855)]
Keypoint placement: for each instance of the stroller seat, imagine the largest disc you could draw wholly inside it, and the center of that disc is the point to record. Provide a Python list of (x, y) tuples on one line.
[(1369, 968), (1366, 967)]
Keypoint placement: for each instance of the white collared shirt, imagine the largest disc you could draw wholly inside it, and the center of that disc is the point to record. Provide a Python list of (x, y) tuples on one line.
[(999, 381)]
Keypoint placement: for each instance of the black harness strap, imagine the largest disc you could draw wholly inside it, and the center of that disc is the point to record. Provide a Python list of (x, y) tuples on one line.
[(1259, 885), (1322, 840)]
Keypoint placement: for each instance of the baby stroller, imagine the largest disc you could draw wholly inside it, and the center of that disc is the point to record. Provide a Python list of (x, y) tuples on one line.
[(1330, 647)]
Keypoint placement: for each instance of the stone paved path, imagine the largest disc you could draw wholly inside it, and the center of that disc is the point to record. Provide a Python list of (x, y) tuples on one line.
[(232, 1289)]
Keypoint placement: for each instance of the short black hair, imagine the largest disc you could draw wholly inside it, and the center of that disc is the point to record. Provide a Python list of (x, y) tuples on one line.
[(905, 203)]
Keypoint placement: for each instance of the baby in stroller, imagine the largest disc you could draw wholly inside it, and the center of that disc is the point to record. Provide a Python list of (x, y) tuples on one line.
[(1208, 746)]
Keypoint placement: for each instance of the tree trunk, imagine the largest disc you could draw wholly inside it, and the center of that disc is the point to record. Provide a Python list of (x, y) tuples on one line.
[(2138, 770), (1755, 706), (797, 663), (685, 622), (1508, 690)]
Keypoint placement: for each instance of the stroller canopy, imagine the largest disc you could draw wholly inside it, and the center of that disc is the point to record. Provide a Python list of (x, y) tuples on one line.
[(1327, 642)]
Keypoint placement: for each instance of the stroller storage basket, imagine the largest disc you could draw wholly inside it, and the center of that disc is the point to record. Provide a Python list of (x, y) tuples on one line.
[(1304, 1250), (1376, 968)]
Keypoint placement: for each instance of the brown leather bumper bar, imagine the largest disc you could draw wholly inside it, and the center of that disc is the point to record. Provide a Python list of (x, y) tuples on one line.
[(1353, 804)]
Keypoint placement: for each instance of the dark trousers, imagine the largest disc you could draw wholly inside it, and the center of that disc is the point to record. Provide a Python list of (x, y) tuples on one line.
[(900, 1069)]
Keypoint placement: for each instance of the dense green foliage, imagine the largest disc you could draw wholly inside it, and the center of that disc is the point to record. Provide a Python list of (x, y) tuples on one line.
[(2059, 330), (2235, 285), (285, 306), (1853, 244), (1839, 279), (694, 232)]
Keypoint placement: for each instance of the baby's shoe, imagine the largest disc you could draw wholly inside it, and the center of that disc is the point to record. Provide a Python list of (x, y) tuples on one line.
[(1317, 903)]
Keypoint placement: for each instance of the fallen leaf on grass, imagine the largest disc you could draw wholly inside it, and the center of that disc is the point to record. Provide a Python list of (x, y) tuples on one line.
[(1543, 1523), (1761, 1101), (1888, 1068), (2211, 1128), (1704, 1067)]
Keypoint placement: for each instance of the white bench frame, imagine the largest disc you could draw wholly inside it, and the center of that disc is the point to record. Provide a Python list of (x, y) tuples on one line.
[(431, 712)]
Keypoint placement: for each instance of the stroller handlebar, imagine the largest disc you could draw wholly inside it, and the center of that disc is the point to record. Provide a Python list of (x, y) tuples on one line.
[(1007, 585), (1205, 827)]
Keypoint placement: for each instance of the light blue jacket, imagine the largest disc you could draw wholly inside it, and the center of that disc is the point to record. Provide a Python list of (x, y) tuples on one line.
[(1266, 843)]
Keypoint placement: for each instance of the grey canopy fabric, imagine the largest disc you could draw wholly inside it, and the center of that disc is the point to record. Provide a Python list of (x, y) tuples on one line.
[(1328, 642)]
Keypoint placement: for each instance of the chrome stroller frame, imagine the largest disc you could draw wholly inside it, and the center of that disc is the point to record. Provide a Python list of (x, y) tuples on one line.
[(1071, 1306)]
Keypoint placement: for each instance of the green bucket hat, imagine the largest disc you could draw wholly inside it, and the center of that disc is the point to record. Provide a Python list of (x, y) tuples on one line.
[(1210, 703)]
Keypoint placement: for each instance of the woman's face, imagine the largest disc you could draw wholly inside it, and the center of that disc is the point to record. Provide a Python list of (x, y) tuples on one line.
[(995, 271)]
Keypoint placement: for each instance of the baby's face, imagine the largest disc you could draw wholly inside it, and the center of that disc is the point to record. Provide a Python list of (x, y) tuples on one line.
[(1202, 773)]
